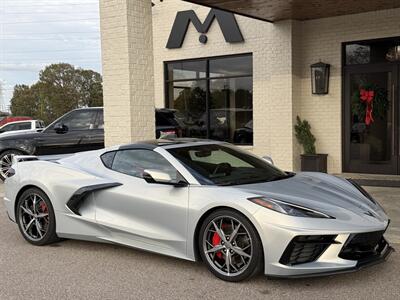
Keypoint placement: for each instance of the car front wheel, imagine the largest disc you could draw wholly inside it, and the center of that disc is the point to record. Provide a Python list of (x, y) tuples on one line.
[(6, 161), (230, 246)]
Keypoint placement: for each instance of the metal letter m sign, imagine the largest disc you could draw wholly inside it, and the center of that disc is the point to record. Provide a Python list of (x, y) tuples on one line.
[(229, 27)]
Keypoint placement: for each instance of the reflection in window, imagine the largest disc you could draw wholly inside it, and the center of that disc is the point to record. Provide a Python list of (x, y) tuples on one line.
[(219, 104), (135, 162)]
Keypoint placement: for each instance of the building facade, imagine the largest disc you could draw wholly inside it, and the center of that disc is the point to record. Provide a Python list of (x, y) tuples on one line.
[(249, 91)]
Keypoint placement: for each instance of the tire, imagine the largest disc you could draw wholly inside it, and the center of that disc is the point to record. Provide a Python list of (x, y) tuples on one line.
[(5, 162), (37, 223), (213, 250)]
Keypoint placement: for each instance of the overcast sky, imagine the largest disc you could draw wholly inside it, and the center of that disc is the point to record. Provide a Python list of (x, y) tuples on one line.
[(36, 33)]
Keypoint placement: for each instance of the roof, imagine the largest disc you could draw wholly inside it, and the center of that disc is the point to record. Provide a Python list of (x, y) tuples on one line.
[(152, 144)]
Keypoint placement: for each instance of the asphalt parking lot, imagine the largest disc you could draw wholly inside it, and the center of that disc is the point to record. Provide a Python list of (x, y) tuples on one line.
[(84, 270)]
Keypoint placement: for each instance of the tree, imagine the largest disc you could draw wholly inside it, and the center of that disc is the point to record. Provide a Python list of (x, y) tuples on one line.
[(60, 88)]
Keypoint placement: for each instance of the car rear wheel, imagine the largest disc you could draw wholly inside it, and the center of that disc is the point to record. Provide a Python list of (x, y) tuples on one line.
[(6, 161), (230, 246), (35, 217)]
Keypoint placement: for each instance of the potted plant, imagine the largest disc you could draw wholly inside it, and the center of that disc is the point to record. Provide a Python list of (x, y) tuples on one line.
[(310, 160)]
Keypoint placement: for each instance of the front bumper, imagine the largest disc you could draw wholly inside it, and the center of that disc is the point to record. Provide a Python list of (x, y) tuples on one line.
[(361, 264), (277, 232)]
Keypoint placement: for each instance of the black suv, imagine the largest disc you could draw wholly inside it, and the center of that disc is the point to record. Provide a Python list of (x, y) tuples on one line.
[(76, 131)]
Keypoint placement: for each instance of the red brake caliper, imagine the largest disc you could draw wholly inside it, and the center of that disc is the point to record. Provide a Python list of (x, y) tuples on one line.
[(216, 240), (43, 207)]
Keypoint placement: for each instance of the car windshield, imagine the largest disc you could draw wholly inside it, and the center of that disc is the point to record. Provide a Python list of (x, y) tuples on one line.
[(221, 164)]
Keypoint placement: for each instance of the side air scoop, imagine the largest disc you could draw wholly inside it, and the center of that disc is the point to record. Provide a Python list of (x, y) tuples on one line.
[(79, 196)]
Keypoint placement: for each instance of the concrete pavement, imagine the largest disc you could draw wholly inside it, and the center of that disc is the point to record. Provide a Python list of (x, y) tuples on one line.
[(84, 270)]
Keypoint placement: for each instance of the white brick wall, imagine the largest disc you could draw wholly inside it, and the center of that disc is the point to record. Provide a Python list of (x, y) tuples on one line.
[(127, 44), (282, 55), (271, 48), (322, 39)]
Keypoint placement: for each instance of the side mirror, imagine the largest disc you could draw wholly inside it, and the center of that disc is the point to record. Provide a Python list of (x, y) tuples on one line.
[(60, 128), (160, 177), (268, 159)]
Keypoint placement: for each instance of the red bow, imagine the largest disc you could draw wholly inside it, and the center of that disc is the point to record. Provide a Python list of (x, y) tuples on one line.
[(368, 97)]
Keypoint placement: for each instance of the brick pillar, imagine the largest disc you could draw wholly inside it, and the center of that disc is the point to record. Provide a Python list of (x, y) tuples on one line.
[(128, 75)]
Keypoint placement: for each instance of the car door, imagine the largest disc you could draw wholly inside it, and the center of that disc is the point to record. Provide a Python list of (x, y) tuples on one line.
[(145, 215), (95, 138), (67, 134)]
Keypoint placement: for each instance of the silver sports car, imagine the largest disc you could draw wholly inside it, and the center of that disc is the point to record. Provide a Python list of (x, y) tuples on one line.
[(200, 200)]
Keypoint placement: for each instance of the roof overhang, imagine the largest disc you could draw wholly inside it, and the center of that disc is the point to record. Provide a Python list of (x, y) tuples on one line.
[(277, 10)]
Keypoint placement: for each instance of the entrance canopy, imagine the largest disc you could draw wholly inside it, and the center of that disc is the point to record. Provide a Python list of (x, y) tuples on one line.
[(276, 10)]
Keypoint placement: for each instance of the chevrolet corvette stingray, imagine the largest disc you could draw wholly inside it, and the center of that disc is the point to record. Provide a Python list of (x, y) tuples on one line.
[(200, 200)]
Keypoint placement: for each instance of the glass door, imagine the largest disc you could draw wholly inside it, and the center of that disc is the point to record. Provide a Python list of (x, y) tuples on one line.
[(371, 135)]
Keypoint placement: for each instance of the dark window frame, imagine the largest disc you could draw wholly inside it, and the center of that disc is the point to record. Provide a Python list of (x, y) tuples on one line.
[(207, 79)]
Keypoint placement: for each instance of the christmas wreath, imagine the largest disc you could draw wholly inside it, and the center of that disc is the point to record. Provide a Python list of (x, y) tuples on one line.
[(370, 102)]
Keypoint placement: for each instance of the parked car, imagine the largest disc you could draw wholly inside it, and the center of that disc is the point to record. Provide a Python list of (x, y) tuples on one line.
[(244, 135), (201, 200), (76, 131), (6, 120), (22, 126)]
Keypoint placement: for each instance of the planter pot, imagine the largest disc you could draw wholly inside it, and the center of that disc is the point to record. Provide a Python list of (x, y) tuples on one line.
[(314, 163)]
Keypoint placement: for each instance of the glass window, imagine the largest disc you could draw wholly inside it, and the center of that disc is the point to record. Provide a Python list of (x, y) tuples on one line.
[(369, 52), (7, 128), (23, 126), (134, 162), (189, 99), (187, 70), (226, 165), (219, 105), (79, 120), (231, 66), (231, 108), (100, 120), (108, 158)]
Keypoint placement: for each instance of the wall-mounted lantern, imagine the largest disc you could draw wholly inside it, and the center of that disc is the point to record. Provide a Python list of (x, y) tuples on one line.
[(320, 78)]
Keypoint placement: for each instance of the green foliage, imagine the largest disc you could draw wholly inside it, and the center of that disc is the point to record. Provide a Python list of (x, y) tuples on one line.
[(60, 88), (380, 103), (304, 136)]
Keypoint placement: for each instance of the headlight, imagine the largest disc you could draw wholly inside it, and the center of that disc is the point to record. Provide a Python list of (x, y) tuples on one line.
[(288, 208)]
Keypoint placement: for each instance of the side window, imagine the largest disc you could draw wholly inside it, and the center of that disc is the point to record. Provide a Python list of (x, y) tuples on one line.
[(24, 126), (100, 120), (134, 162), (7, 128), (108, 158), (39, 124), (79, 120)]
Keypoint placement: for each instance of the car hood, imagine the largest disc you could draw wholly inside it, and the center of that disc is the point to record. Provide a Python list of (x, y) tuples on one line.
[(321, 192)]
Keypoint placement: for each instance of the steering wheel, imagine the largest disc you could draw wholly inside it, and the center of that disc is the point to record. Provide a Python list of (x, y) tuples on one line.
[(224, 167)]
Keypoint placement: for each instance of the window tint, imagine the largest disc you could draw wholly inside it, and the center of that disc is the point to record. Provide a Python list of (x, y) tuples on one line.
[(108, 158), (226, 165), (79, 120), (7, 127), (24, 126), (231, 66), (134, 162), (215, 106), (39, 124), (187, 70), (100, 120)]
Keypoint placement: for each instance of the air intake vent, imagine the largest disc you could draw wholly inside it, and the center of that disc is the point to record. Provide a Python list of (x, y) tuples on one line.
[(306, 248)]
